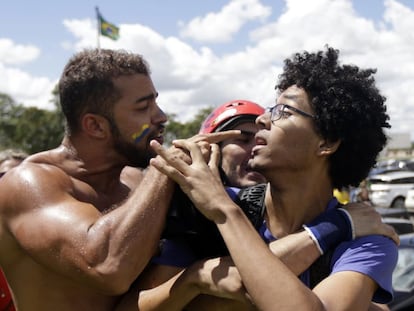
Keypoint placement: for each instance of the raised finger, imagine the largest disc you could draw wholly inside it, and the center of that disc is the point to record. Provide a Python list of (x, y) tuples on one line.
[(216, 137), (205, 148), (161, 165), (194, 149), (170, 156), (214, 161)]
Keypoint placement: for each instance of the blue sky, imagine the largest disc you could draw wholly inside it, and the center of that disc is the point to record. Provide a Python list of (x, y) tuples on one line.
[(203, 53)]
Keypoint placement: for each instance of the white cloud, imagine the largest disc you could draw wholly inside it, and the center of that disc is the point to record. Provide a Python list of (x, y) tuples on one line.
[(221, 26), (20, 85), (386, 46), (13, 54), (189, 78), (26, 89), (85, 31), (400, 17)]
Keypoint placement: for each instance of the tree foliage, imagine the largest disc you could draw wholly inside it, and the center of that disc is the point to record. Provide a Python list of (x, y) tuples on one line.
[(176, 129), (32, 129), (28, 128)]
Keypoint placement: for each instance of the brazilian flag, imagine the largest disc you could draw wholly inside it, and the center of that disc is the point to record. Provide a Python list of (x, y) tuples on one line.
[(108, 29)]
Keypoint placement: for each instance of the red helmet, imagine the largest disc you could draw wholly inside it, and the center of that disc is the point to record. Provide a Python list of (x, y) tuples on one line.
[(229, 115)]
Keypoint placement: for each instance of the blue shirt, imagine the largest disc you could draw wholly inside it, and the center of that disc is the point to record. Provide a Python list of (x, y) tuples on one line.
[(374, 256)]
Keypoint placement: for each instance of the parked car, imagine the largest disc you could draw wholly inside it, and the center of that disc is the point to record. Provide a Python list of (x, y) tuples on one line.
[(393, 212), (409, 165), (390, 189), (392, 166), (409, 201), (400, 225), (403, 276)]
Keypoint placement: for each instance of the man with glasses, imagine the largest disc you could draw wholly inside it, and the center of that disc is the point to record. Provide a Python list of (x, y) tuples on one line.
[(167, 285), (325, 131), (282, 110)]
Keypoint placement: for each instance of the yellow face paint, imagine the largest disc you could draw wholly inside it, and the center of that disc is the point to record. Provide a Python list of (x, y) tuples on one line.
[(139, 135)]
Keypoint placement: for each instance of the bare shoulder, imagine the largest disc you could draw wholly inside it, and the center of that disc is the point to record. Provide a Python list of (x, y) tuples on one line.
[(132, 176), (27, 193), (32, 182), (42, 207)]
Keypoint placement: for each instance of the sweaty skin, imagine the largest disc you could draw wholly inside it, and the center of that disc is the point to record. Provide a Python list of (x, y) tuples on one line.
[(68, 218), (75, 233)]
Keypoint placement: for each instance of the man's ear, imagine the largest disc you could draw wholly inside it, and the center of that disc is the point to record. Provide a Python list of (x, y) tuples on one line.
[(95, 125), (328, 147)]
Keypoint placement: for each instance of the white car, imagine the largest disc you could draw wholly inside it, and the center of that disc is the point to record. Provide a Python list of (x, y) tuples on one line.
[(409, 200), (390, 189)]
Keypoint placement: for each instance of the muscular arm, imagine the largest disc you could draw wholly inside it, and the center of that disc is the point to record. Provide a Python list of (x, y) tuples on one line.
[(169, 288), (173, 288), (68, 234), (64, 224), (297, 251)]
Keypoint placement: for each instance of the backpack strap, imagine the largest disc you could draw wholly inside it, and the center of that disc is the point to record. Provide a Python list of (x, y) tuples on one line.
[(251, 201), (320, 269), (184, 222)]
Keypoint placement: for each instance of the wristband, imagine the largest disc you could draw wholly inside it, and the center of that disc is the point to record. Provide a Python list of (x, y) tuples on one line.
[(351, 223), (330, 228)]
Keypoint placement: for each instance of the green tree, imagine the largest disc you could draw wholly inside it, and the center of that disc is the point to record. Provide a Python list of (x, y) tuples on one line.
[(176, 129), (32, 129), (7, 109), (28, 128)]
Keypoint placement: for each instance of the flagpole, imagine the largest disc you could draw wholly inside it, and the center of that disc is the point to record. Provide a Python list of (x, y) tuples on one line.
[(99, 27)]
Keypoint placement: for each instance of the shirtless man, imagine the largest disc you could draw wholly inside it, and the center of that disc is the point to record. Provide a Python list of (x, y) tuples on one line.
[(74, 236)]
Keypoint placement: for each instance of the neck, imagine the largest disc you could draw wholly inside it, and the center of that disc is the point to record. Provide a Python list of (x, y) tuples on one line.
[(292, 202), (91, 165)]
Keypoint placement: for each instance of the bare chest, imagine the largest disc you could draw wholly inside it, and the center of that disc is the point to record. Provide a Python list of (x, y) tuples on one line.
[(102, 200)]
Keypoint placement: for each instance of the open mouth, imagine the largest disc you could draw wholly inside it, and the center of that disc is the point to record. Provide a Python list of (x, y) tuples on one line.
[(260, 141), (159, 139)]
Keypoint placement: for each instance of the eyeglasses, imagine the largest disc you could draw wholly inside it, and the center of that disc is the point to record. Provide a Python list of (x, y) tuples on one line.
[(277, 112)]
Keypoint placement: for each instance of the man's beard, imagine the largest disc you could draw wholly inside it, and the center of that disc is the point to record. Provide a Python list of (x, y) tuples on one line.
[(136, 156)]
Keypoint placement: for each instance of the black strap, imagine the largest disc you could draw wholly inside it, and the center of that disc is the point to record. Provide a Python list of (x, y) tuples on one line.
[(251, 201), (185, 223), (320, 269)]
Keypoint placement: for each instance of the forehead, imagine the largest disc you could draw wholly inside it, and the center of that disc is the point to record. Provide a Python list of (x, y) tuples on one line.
[(248, 126), (293, 94), (137, 85)]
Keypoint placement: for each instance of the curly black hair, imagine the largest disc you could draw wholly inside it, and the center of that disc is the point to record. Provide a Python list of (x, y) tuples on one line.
[(86, 84), (347, 107)]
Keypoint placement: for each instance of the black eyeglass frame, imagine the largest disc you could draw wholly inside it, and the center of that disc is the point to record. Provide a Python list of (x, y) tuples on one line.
[(274, 108)]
